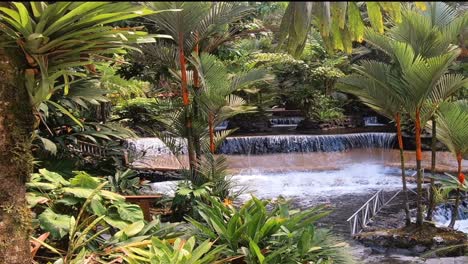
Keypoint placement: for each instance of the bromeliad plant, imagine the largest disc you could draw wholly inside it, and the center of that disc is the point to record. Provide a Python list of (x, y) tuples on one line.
[(180, 251), (126, 182), (257, 235)]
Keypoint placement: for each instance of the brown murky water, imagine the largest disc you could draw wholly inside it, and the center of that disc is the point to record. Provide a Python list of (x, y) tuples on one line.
[(316, 161), (337, 160)]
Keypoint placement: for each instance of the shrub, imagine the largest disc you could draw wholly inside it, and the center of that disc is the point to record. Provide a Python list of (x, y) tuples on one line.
[(257, 235)]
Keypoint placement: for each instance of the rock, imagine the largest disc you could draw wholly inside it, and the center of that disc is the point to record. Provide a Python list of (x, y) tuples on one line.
[(438, 239), (414, 240), (419, 249)]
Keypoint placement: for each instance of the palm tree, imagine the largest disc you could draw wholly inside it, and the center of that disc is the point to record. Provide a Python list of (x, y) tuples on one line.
[(423, 79), (372, 84), (452, 130), (43, 45), (411, 86), (217, 87), (196, 22), (431, 33)]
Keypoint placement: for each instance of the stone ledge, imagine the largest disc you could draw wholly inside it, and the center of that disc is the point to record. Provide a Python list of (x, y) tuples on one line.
[(414, 241)]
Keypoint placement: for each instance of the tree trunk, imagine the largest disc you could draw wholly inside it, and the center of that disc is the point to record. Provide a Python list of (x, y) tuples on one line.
[(211, 131), (419, 215), (188, 114), (457, 199), (431, 206), (403, 173), (196, 110), (16, 124)]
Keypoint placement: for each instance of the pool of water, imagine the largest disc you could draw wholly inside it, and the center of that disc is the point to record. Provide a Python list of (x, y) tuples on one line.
[(310, 185), (306, 187)]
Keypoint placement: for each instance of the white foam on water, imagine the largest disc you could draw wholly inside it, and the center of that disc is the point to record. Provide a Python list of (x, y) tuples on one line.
[(310, 185), (442, 217), (355, 179)]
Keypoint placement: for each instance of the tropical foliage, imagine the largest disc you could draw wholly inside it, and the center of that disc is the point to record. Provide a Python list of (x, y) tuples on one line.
[(279, 235), (80, 78), (339, 23)]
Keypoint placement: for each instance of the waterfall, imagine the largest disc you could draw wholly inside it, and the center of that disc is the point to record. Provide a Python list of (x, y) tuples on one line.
[(285, 121), (152, 146), (153, 153), (305, 143), (443, 214), (371, 121)]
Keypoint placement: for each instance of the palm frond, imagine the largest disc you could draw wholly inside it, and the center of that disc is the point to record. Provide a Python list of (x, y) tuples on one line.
[(452, 126)]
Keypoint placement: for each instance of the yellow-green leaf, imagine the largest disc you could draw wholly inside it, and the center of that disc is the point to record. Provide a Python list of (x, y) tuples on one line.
[(338, 12), (375, 16), (356, 26), (421, 5), (336, 35)]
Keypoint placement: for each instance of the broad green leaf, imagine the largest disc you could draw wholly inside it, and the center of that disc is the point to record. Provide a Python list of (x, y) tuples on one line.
[(83, 179), (57, 224), (69, 201), (43, 186), (131, 230), (117, 223), (130, 212), (49, 145), (97, 208), (33, 199), (80, 192), (53, 177), (111, 195)]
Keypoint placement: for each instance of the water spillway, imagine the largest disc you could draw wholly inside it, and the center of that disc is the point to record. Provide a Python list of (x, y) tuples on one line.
[(285, 121), (443, 214), (153, 154), (305, 143)]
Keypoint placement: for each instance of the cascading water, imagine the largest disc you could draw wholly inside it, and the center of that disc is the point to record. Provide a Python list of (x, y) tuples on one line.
[(358, 172), (443, 214), (150, 153), (308, 187), (305, 143), (285, 121), (372, 121)]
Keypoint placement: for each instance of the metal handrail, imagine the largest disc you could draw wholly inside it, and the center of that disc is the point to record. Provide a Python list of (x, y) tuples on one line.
[(366, 212), (359, 220), (90, 148)]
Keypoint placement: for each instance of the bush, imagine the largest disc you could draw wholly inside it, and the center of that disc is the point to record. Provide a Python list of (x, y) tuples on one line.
[(257, 235), (141, 114)]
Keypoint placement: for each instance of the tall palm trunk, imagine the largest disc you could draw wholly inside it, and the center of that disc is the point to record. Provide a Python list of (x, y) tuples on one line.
[(433, 164), (16, 124), (196, 111), (457, 199), (211, 131), (419, 215), (188, 115), (403, 174)]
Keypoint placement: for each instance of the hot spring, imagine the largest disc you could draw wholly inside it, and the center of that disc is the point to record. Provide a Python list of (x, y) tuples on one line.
[(305, 168)]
